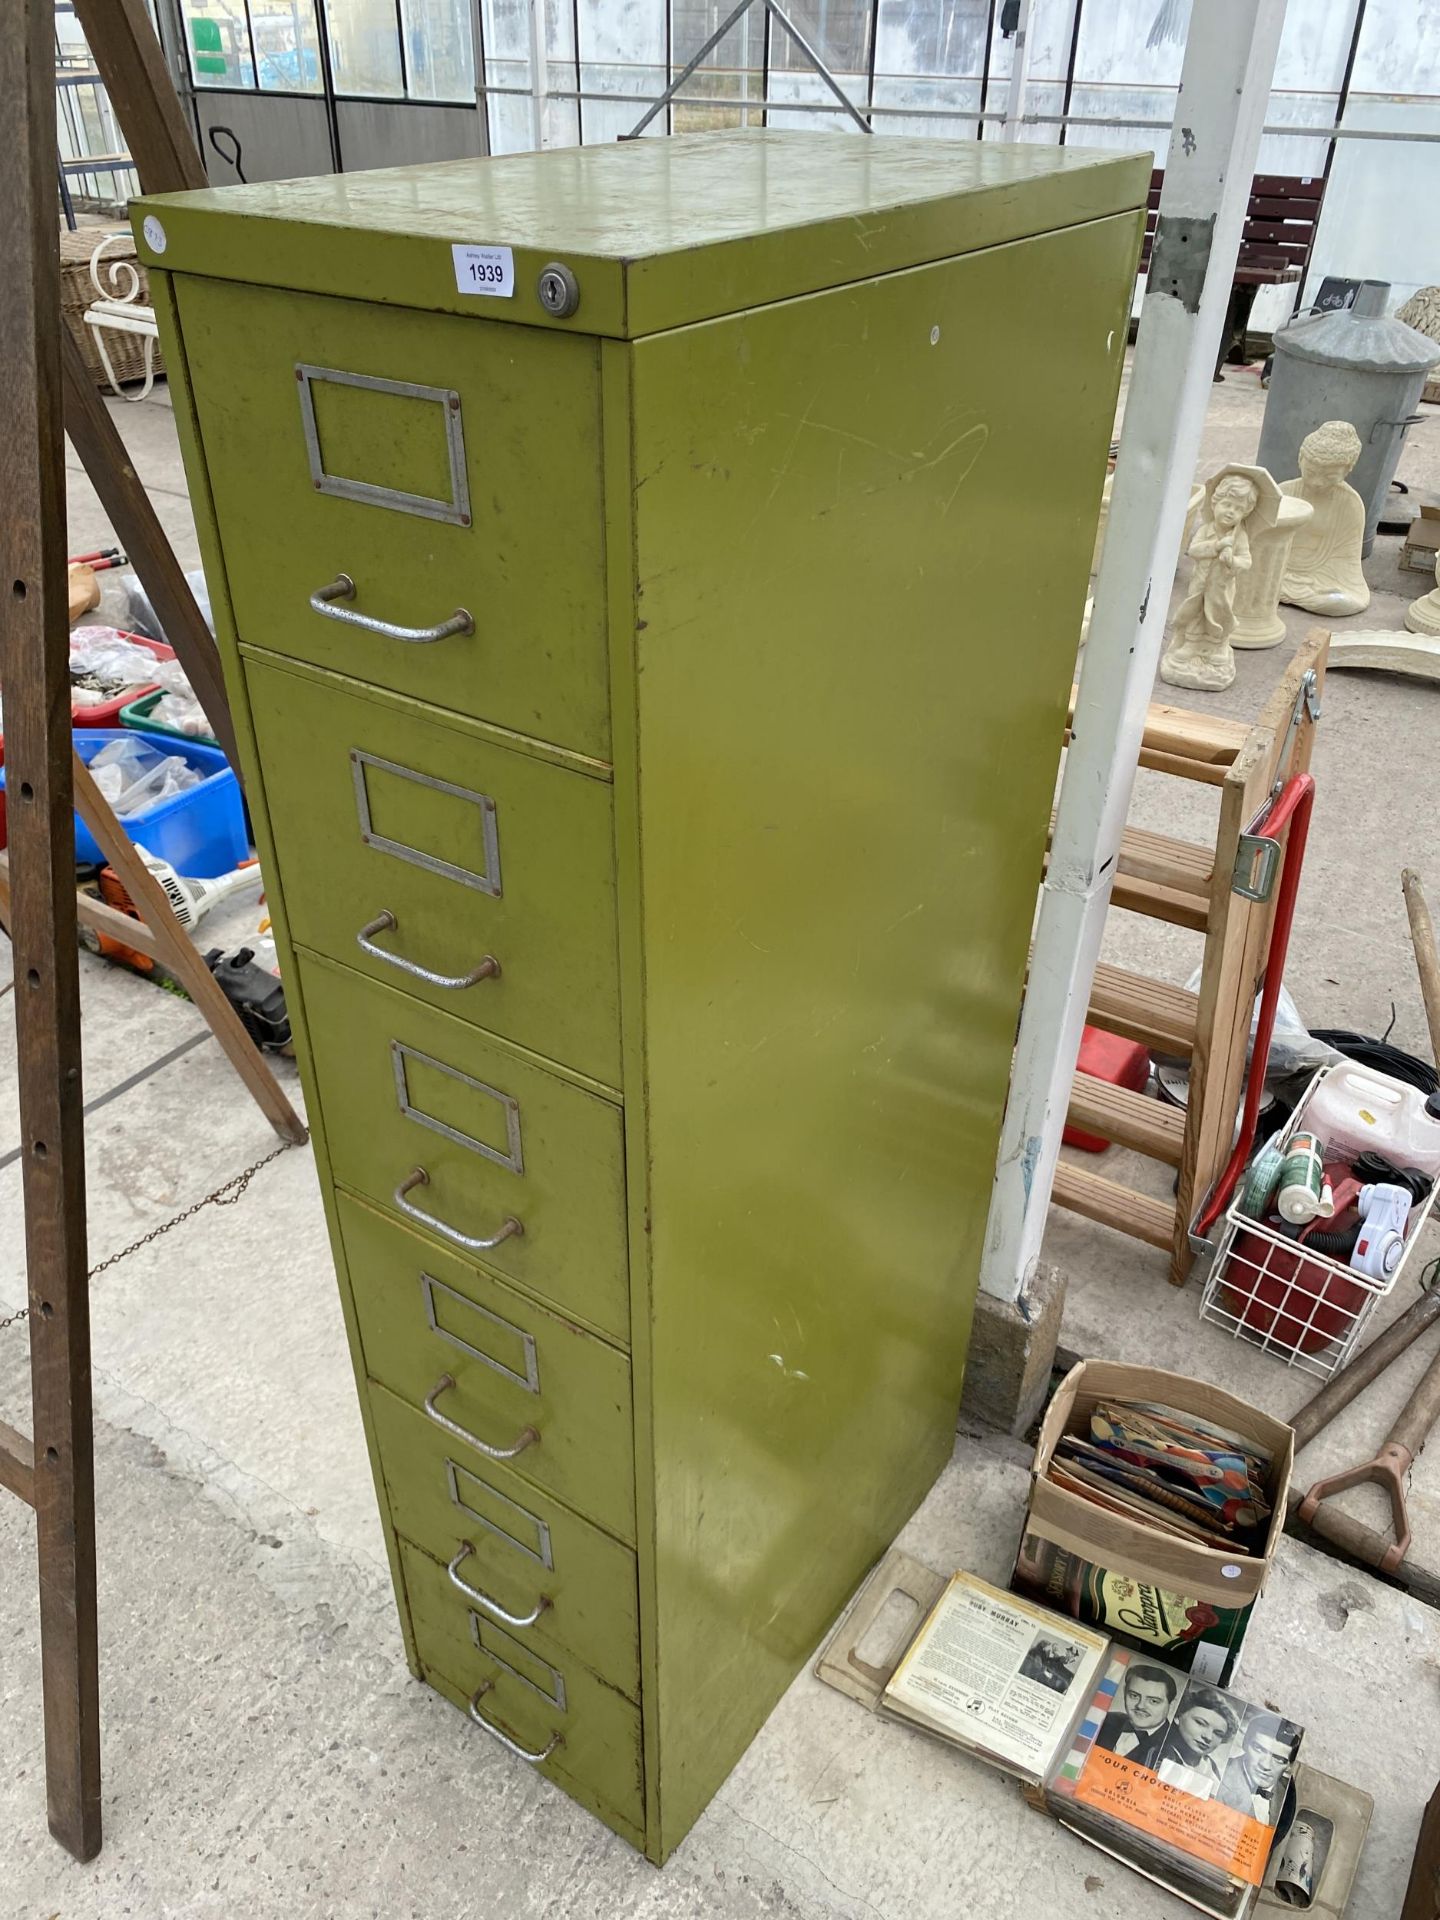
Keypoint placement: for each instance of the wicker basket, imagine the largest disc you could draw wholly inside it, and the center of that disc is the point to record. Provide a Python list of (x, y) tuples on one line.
[(77, 292)]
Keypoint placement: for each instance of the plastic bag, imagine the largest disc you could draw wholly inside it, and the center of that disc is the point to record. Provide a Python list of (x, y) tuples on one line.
[(133, 774), (182, 711), (104, 662), (1293, 1048), (141, 614)]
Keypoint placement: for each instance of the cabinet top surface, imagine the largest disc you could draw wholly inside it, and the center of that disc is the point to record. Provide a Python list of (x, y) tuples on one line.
[(658, 232)]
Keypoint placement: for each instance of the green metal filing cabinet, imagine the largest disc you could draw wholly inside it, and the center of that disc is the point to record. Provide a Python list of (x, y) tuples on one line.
[(648, 578)]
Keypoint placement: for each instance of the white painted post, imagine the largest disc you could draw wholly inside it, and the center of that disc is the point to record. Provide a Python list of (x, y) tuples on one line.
[(1224, 91), (539, 74), (1019, 74)]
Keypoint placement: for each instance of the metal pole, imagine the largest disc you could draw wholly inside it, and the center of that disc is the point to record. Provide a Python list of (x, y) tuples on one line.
[(985, 73), (689, 67), (539, 74), (477, 46), (1342, 100), (1224, 90), (813, 56), (1019, 72)]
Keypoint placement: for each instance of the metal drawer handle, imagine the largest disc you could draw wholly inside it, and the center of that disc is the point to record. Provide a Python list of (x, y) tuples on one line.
[(527, 1437), (478, 1244), (510, 1746), (488, 969), (343, 588), (492, 1607)]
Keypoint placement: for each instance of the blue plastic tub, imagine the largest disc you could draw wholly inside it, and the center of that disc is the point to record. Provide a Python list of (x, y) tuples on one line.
[(200, 832)]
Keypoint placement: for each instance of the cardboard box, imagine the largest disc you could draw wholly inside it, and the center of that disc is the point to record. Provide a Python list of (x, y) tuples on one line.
[(1184, 1602), (1422, 542)]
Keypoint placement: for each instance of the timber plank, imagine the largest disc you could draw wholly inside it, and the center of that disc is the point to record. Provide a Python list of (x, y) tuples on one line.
[(1127, 1119), (1136, 1007), (1137, 1214)]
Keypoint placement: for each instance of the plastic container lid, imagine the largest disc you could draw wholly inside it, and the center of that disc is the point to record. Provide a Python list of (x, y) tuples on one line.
[(1363, 337)]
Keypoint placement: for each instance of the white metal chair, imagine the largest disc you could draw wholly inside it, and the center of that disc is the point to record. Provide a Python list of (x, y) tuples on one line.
[(119, 309)]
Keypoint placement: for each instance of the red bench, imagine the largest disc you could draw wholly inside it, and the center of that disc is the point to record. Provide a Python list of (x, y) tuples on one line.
[(1275, 247)]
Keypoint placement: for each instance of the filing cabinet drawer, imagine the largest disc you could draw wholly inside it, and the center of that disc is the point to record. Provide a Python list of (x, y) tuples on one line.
[(442, 466), (426, 1317), (434, 1120), (527, 1554), (474, 853), (555, 1713)]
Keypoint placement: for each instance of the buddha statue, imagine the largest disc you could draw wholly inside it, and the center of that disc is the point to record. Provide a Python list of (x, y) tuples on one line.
[(1323, 572), (1199, 654)]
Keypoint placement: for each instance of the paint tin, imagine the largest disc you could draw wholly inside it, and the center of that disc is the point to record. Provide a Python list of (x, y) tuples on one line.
[(1302, 1180)]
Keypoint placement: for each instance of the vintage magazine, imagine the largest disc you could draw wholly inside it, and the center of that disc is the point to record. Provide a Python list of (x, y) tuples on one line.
[(1189, 1633), (1182, 1781), (1313, 1864), (999, 1676)]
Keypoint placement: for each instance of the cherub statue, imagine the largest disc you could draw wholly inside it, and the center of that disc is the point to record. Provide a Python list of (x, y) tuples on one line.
[(1323, 572), (1199, 654)]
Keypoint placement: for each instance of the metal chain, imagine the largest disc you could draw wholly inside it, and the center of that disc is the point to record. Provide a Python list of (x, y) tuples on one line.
[(225, 1195)]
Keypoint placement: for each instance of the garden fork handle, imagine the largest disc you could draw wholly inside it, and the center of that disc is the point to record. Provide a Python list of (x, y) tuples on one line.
[(1418, 1415), (1387, 1471)]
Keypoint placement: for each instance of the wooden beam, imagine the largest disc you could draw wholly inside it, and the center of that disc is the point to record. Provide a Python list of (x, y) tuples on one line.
[(1182, 865), (97, 440), (1159, 1016), (1180, 731), (1137, 1214), (17, 1463), (123, 44), (1127, 1119), (98, 915), (1181, 909), (174, 949), (34, 668)]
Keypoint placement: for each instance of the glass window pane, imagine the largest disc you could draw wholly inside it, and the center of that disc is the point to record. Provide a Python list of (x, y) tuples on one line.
[(622, 52), (439, 50), (506, 30), (287, 45), (365, 47), (839, 31), (930, 54), (505, 25), (731, 72), (219, 43)]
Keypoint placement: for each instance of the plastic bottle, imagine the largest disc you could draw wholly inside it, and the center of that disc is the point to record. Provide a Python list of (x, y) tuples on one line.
[(1355, 1110), (1302, 1194)]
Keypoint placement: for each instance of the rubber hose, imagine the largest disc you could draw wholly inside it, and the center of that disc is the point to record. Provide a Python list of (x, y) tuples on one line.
[(1338, 1242)]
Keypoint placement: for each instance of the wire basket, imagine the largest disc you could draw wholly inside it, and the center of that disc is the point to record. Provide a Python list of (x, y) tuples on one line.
[(1303, 1307)]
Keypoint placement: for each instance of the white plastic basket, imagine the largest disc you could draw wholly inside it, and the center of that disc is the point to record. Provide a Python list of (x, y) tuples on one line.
[(1303, 1307)]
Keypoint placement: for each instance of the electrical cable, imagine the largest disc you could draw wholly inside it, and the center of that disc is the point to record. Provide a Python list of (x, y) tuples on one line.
[(1380, 1055), (1374, 1169)]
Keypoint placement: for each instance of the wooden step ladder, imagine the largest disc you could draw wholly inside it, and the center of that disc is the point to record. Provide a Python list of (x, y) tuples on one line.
[(1202, 888)]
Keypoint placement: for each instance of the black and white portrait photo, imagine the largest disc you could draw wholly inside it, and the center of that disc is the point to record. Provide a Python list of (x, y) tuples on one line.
[(1197, 1749), (1254, 1777), (1135, 1727)]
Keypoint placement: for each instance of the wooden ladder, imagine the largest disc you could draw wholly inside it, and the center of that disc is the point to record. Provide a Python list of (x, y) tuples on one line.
[(1192, 886)]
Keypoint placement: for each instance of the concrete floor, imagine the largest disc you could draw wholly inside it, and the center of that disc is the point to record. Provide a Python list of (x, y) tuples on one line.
[(266, 1751)]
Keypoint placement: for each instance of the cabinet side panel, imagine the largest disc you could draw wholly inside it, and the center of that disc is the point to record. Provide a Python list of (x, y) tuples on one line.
[(212, 555), (863, 529)]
